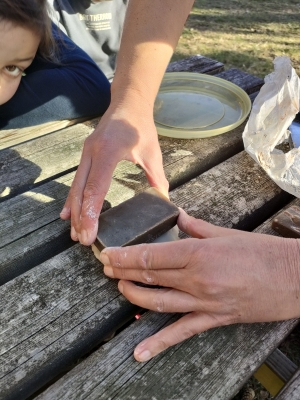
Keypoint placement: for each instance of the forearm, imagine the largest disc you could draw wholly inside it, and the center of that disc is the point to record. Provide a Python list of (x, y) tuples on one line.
[(151, 31)]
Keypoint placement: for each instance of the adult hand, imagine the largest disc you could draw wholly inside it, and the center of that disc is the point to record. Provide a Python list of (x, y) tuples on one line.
[(227, 277), (125, 132)]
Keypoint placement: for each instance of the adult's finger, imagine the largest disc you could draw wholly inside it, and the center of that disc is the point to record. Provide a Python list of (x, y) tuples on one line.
[(150, 256), (161, 300), (155, 173), (174, 278), (200, 229), (96, 251), (75, 192), (184, 328), (73, 204), (96, 187)]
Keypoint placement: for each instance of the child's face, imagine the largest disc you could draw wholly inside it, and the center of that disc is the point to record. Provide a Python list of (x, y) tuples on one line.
[(18, 46)]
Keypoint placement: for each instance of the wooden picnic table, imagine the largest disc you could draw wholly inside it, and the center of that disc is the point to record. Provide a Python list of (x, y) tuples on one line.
[(57, 308)]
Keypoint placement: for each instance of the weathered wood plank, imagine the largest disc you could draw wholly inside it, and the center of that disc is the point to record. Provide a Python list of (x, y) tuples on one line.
[(198, 64), (27, 165), (236, 194), (249, 83), (275, 372), (25, 213), (11, 137), (25, 235), (52, 315), (292, 389), (65, 294), (30, 228), (282, 366), (212, 365), (31, 250)]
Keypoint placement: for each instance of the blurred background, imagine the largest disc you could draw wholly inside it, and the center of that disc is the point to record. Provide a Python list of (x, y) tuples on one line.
[(243, 34)]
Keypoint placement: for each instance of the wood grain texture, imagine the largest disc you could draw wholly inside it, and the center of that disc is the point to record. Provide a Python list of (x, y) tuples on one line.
[(11, 137), (31, 250), (212, 365), (283, 367), (30, 228), (23, 214), (31, 211), (245, 81), (51, 315), (236, 193), (198, 64), (292, 389), (27, 164)]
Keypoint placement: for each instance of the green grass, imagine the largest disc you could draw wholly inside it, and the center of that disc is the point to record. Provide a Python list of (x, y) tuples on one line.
[(242, 34)]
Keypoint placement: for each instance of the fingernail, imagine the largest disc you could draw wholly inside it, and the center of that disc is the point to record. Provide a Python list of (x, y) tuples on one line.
[(65, 211), (84, 237), (104, 258), (144, 356), (108, 271), (96, 251), (74, 235), (120, 287)]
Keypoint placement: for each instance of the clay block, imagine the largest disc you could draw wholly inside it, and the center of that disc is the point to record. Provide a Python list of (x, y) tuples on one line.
[(140, 219), (287, 223)]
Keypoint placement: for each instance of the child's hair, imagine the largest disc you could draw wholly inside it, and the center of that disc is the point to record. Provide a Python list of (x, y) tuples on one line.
[(34, 15)]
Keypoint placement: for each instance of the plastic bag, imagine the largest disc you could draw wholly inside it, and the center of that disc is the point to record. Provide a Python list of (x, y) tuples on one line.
[(272, 113)]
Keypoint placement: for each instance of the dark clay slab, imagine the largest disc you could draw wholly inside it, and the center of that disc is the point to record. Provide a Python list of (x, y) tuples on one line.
[(141, 219), (287, 223)]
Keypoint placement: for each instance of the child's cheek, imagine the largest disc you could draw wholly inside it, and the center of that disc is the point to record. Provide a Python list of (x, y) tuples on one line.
[(8, 88)]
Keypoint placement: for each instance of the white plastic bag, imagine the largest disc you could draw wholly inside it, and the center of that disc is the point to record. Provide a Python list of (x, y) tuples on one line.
[(272, 113)]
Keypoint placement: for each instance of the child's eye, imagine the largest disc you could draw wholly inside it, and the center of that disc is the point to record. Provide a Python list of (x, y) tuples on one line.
[(13, 70)]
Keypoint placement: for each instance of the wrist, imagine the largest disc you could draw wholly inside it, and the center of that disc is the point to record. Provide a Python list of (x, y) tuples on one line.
[(130, 103), (289, 277), (132, 96)]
